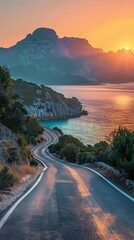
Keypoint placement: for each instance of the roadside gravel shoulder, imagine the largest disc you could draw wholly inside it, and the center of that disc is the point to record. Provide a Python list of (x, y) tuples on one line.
[(112, 174), (8, 197)]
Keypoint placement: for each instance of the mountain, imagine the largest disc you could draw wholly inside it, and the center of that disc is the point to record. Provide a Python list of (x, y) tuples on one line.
[(44, 58)]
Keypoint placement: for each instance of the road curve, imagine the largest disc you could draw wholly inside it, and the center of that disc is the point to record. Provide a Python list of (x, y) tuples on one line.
[(70, 203)]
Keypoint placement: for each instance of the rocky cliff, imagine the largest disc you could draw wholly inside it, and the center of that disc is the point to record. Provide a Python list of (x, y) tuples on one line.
[(44, 103), (46, 108)]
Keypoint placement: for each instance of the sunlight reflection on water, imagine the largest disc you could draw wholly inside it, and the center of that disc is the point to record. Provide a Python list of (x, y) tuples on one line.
[(108, 108)]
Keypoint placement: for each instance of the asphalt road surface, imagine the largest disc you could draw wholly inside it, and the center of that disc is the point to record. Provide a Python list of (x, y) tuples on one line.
[(70, 203)]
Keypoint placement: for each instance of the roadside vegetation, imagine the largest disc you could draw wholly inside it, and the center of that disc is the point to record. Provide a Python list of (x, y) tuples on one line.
[(12, 111), (119, 153), (58, 130), (14, 116)]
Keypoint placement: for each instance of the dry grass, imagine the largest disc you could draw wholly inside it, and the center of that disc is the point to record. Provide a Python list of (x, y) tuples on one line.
[(22, 175), (20, 172), (25, 169), (7, 143)]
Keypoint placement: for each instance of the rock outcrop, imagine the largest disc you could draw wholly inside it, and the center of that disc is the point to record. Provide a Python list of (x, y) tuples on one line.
[(48, 109), (44, 103)]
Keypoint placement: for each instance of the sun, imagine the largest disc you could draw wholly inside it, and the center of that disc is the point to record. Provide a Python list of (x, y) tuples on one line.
[(126, 48)]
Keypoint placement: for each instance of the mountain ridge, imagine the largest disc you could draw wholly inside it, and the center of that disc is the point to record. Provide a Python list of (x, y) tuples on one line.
[(44, 58)]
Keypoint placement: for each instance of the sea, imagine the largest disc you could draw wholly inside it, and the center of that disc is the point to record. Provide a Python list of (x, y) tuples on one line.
[(109, 106)]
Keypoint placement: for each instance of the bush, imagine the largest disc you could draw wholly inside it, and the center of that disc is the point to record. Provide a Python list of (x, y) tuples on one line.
[(6, 179), (128, 167), (111, 159), (22, 141), (32, 129), (65, 139), (33, 162), (69, 152), (58, 130), (123, 150), (13, 155), (55, 148), (81, 157), (90, 158)]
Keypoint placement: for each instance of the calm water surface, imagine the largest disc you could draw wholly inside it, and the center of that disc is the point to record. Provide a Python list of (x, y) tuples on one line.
[(108, 106)]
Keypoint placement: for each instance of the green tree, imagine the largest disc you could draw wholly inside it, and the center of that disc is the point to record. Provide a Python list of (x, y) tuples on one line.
[(6, 179), (69, 152), (81, 157), (5, 90), (65, 139), (32, 129), (22, 140), (58, 130), (123, 150), (101, 150), (5, 78)]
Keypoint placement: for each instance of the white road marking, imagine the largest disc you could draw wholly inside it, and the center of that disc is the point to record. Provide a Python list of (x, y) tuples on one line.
[(7, 215), (114, 186), (105, 179)]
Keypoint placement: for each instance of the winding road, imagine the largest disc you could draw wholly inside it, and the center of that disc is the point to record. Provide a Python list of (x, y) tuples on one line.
[(69, 203)]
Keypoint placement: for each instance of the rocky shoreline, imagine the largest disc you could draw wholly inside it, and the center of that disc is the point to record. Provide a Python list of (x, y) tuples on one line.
[(50, 110), (44, 103)]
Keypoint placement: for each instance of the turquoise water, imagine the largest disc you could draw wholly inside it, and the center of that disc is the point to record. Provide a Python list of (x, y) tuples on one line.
[(108, 106)]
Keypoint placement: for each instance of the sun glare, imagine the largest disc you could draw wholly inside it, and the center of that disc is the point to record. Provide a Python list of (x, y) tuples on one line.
[(126, 48), (123, 101)]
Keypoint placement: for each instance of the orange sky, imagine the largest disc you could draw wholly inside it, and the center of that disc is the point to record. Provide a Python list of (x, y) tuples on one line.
[(106, 24)]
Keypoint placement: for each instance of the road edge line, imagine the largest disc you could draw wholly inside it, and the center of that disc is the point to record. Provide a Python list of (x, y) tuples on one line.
[(110, 183), (12, 208), (100, 175)]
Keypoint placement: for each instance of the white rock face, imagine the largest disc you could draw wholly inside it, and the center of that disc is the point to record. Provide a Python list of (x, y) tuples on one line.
[(48, 108)]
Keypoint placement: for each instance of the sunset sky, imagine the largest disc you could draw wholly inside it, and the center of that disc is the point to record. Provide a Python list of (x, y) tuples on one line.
[(105, 24)]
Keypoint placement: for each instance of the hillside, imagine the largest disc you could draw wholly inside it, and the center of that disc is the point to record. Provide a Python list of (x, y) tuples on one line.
[(44, 103), (44, 58), (17, 131), (9, 147)]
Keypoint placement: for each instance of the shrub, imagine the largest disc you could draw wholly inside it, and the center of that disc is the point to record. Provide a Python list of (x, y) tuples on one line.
[(69, 152), (123, 150), (90, 158), (111, 159), (33, 162), (22, 140), (13, 155), (58, 130), (65, 139), (128, 167), (6, 179), (55, 148), (33, 128), (81, 157), (25, 169)]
